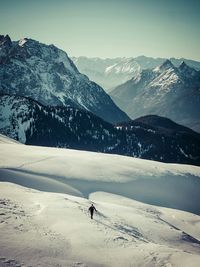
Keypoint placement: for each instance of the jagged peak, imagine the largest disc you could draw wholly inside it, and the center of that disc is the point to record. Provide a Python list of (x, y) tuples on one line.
[(27, 47), (5, 39), (167, 64), (183, 64), (184, 68), (28, 41)]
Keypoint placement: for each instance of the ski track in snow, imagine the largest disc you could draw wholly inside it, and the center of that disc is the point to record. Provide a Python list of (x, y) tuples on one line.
[(54, 229), (25, 220), (33, 162)]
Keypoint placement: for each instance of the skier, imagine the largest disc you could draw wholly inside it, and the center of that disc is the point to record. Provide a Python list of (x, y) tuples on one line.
[(91, 210)]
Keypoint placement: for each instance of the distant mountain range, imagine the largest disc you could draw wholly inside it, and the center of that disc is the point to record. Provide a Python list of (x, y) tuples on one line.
[(167, 90), (150, 62), (46, 74), (150, 137), (111, 72)]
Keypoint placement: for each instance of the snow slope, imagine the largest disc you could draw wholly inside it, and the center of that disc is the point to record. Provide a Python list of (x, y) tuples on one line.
[(170, 185), (47, 229), (53, 228), (6, 140)]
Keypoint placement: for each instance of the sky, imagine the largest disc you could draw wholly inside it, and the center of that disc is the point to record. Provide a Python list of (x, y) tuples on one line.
[(107, 28)]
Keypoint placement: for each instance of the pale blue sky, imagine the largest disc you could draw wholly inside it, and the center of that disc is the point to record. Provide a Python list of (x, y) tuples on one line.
[(107, 28)]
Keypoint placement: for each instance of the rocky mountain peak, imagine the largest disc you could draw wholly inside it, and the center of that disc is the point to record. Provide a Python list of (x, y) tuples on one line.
[(46, 74), (5, 47), (183, 65), (167, 64), (166, 90), (5, 40), (186, 70)]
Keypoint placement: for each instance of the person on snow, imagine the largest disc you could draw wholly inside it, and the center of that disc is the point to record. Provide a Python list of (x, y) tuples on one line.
[(91, 210)]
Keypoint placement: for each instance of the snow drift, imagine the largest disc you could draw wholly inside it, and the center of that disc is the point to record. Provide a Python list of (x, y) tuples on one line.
[(53, 229), (81, 173)]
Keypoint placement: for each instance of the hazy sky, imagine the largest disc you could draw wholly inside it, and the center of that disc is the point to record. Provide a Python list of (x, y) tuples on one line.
[(107, 28)]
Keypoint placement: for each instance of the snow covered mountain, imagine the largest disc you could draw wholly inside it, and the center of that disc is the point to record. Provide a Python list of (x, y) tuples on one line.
[(165, 91), (53, 228), (112, 72), (32, 123), (46, 74), (108, 72), (151, 63)]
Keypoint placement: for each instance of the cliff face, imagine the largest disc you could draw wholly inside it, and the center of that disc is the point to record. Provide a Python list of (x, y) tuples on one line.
[(46, 74)]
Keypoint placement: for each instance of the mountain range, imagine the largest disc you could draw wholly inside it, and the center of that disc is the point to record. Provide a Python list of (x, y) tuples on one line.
[(46, 101), (46, 73), (167, 90), (111, 72), (151, 137)]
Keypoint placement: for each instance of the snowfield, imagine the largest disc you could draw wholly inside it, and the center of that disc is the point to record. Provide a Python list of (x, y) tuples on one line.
[(53, 228)]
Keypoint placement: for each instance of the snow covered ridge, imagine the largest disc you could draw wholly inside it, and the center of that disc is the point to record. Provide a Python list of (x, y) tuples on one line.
[(151, 63), (108, 73), (111, 72), (153, 137), (81, 173), (51, 229), (167, 90), (46, 74)]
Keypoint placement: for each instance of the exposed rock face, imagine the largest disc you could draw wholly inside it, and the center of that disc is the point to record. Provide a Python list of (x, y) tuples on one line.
[(169, 91), (46, 74)]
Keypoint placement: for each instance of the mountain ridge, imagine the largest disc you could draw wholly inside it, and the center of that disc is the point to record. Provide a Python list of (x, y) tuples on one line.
[(46, 74), (31, 123), (167, 90), (97, 69)]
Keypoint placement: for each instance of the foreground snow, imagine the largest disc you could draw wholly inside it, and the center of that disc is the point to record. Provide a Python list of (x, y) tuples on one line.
[(51, 229), (81, 173), (54, 229)]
